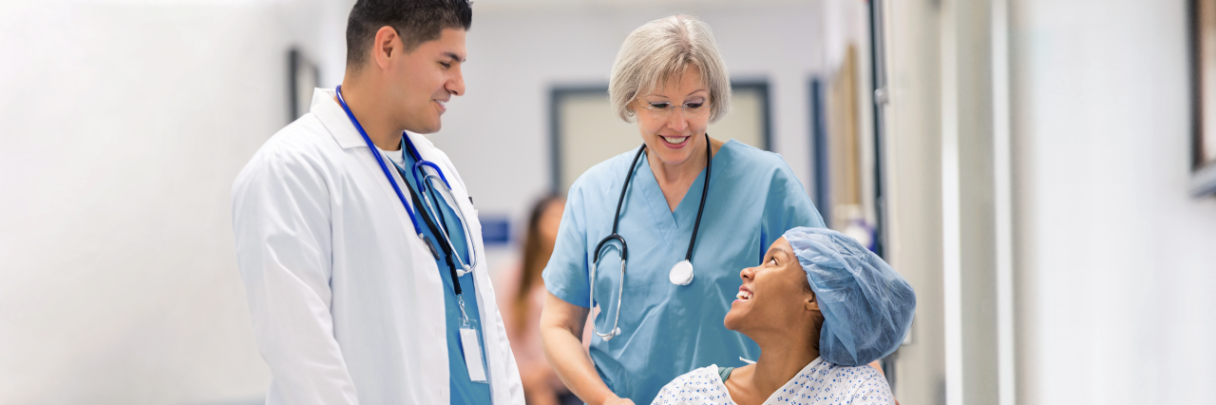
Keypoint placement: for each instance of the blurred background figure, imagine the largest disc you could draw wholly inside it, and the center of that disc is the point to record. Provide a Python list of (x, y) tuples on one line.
[(521, 294)]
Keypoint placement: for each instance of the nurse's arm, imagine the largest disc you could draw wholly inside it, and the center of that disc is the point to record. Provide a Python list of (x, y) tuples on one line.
[(561, 326)]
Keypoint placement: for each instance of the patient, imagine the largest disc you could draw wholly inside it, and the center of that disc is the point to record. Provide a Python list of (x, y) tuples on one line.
[(821, 307)]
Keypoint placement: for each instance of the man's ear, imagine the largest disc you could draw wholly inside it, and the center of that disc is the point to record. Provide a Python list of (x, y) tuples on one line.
[(387, 45)]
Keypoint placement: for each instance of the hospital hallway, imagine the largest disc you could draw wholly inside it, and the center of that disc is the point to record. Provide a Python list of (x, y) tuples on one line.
[(1041, 172)]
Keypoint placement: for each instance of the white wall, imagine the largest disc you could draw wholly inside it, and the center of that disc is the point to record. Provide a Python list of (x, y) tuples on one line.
[(123, 125), (1115, 263)]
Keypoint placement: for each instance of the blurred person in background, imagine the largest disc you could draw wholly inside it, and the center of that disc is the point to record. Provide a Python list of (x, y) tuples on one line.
[(522, 296), (659, 318), (357, 240), (821, 307)]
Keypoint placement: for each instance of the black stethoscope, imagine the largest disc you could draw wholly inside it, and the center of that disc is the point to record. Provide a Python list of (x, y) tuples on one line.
[(681, 273)]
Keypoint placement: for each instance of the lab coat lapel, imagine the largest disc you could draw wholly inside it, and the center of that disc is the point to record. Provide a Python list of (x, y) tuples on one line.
[(334, 118)]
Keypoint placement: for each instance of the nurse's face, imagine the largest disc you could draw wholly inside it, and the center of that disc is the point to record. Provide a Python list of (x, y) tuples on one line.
[(425, 79), (669, 131), (775, 296)]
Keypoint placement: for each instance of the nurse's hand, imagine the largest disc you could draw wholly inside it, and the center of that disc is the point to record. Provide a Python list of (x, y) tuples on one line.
[(618, 401), (561, 329)]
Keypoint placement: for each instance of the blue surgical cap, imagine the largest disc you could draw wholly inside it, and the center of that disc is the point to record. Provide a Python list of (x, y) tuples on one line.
[(867, 307)]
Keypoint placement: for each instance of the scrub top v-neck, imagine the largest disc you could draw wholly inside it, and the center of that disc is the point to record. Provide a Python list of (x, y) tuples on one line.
[(463, 389), (667, 329)]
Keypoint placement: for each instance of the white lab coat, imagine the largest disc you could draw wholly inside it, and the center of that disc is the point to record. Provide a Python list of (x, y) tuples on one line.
[(346, 300)]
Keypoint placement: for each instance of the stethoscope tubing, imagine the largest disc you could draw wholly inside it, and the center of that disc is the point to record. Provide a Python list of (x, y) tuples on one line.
[(709, 166), (614, 236), (432, 212), (624, 253)]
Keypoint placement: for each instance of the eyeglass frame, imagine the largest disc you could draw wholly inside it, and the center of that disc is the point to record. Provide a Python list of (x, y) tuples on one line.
[(665, 112)]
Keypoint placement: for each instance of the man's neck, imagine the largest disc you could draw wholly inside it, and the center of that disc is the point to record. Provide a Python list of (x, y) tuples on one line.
[(374, 121)]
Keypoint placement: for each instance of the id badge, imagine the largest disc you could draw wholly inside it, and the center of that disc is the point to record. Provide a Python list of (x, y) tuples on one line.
[(471, 345)]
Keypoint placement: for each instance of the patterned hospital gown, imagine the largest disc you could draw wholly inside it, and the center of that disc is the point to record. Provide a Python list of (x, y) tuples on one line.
[(819, 383)]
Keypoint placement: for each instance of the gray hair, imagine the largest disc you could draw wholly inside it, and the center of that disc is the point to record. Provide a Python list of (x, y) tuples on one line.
[(660, 51)]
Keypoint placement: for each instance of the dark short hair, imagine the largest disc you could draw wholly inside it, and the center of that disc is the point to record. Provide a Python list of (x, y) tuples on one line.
[(416, 21)]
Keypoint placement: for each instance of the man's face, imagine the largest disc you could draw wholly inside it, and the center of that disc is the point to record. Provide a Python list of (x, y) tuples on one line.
[(425, 79)]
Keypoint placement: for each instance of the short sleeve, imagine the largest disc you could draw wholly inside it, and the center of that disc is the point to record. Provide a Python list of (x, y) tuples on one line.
[(787, 206), (566, 275), (869, 387)]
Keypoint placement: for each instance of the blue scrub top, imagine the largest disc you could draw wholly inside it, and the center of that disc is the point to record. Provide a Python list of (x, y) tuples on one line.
[(668, 330), (464, 390)]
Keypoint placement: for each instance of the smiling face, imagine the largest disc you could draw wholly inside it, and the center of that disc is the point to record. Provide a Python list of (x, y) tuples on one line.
[(675, 134), (775, 296), (426, 78)]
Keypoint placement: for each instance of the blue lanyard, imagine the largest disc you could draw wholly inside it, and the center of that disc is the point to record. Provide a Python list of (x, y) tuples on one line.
[(380, 160)]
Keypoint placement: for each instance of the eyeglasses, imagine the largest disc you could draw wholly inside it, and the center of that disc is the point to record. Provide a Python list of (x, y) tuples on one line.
[(663, 109)]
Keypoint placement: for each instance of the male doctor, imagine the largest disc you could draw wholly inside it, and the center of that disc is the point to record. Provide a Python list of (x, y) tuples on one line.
[(359, 247)]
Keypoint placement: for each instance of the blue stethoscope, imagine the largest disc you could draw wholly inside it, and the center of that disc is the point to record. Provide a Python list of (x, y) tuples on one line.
[(429, 184), (681, 273)]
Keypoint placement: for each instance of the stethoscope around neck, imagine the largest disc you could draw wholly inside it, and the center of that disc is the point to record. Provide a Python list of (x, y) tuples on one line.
[(681, 273), (428, 183)]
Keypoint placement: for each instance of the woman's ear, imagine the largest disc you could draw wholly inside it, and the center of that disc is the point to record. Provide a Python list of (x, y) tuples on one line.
[(811, 303)]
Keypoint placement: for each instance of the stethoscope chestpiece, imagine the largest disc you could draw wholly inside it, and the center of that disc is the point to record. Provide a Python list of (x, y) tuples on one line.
[(681, 273)]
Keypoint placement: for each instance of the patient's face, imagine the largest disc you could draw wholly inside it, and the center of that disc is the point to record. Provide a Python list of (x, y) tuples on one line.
[(773, 296)]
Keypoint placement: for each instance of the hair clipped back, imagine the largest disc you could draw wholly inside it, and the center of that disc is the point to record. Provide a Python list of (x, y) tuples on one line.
[(416, 21), (661, 51)]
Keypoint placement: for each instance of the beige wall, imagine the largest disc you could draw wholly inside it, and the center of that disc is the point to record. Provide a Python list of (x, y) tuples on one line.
[(914, 192)]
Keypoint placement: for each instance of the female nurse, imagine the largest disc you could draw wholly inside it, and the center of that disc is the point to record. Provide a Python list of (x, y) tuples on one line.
[(656, 320)]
